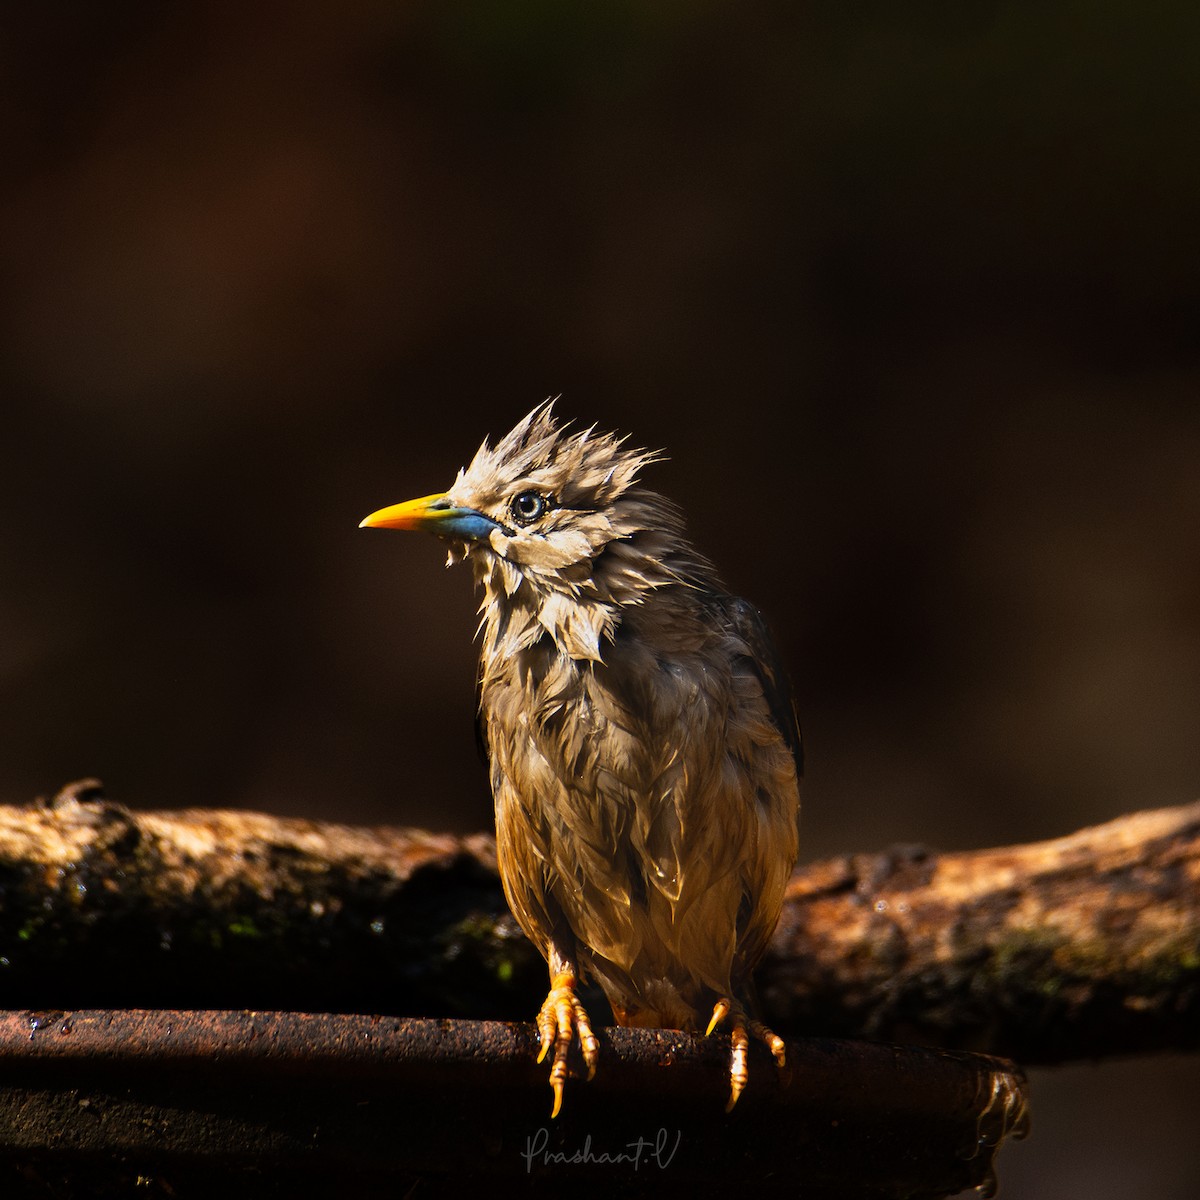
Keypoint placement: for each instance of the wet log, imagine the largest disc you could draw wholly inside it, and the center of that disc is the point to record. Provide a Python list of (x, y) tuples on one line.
[(1080, 947), (185, 1104)]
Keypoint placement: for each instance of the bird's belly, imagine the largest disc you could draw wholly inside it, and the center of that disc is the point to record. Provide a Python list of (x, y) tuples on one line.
[(646, 878), (646, 812)]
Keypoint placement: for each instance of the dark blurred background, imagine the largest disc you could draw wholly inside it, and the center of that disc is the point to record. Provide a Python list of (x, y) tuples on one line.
[(909, 293)]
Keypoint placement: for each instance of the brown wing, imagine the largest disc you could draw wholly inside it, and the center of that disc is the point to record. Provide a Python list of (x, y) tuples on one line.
[(772, 673), (767, 868)]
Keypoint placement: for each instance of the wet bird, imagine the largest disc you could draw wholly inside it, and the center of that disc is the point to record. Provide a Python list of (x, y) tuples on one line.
[(644, 751)]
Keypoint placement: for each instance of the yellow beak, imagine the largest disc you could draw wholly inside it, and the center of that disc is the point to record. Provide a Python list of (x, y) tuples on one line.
[(434, 514), (412, 514)]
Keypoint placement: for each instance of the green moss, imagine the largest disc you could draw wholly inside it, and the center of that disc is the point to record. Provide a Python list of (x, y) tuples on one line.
[(1164, 964), (476, 928), (1046, 960), (1020, 949)]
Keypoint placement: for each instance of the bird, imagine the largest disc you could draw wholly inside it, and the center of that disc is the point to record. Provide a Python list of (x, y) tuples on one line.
[(644, 751)]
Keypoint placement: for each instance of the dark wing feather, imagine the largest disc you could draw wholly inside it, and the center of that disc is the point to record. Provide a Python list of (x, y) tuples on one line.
[(481, 737), (771, 671)]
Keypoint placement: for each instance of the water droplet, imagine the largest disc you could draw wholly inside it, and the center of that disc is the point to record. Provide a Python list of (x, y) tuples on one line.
[(986, 1188)]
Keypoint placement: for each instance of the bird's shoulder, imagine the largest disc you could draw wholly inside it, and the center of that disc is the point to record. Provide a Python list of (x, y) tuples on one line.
[(764, 660)]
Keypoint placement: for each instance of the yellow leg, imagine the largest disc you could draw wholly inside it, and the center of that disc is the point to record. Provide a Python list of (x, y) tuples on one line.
[(561, 1016)]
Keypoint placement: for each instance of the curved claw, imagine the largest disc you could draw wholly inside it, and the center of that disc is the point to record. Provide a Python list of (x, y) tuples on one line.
[(772, 1040), (562, 1016), (742, 1029), (720, 1011)]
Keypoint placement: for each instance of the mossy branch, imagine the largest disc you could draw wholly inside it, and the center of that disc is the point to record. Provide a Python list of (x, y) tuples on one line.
[(1077, 948), (1084, 946)]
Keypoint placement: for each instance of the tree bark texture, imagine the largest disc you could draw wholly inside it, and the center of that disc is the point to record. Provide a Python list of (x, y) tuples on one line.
[(1080, 947), (205, 1103)]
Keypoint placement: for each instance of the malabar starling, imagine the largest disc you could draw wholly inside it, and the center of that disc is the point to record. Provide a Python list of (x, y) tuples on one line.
[(644, 751)]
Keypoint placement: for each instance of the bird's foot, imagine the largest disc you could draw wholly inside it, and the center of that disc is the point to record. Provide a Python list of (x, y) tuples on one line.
[(563, 1015), (741, 1029)]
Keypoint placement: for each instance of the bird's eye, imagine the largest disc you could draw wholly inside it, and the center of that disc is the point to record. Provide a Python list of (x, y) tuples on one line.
[(526, 507)]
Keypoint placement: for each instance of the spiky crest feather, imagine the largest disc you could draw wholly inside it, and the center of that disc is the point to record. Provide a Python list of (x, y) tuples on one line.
[(602, 547)]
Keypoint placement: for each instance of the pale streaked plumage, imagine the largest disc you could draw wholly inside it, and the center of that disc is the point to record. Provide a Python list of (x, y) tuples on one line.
[(644, 753)]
